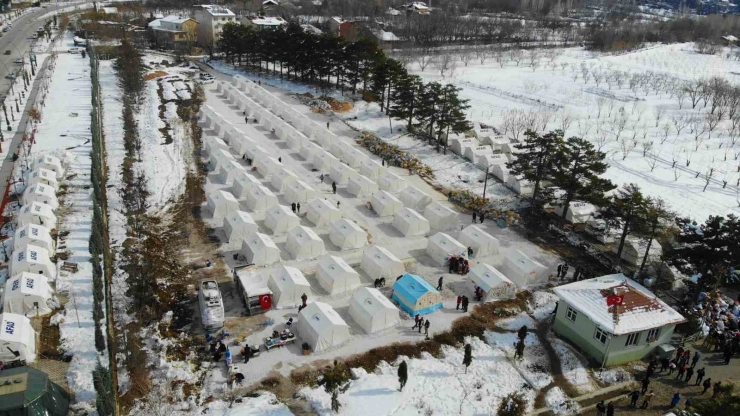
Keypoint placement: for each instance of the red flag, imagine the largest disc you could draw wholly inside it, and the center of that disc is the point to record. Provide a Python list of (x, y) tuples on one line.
[(614, 300)]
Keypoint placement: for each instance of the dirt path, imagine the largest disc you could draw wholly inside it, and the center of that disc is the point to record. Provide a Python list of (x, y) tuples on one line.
[(556, 368)]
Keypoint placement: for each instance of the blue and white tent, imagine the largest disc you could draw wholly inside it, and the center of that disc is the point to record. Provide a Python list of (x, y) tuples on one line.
[(415, 296)]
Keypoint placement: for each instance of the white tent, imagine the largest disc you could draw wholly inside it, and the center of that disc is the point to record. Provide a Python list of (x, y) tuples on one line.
[(634, 250), (521, 186), (260, 250), (341, 173), (378, 262), (482, 243), (44, 177), (578, 212), (336, 276), (238, 225), (501, 172), (267, 165), (347, 235), (324, 161), (321, 327), (522, 270), (414, 198), (440, 217), (282, 178), (219, 159), (214, 144), (353, 157), (489, 161), (371, 168), (360, 186), (288, 284), (41, 193), (390, 182), (385, 204), (260, 199), (472, 153), (322, 212), (27, 294), (498, 142), (299, 191), (309, 151), (49, 162), (339, 148), (325, 138), (37, 213), (441, 247), (280, 219), (37, 235), (410, 223), (373, 311), (16, 334), (295, 140), (494, 284), (255, 152), (244, 144), (33, 259), (459, 144), (304, 243), (221, 203), (229, 171), (243, 183)]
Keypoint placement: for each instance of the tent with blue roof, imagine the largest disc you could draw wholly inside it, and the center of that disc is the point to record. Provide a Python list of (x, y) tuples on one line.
[(415, 295)]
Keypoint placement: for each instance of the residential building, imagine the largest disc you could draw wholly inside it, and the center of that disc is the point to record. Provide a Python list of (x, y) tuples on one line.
[(385, 40), (263, 22), (211, 20), (348, 29), (174, 32), (613, 319), (418, 7)]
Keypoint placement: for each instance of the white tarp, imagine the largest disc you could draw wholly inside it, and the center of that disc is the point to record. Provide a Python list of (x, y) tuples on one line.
[(521, 186), (238, 225), (371, 168), (385, 204), (32, 259), (494, 284), (322, 212), (16, 334), (243, 183), (578, 212), (441, 247), (440, 217), (378, 262), (219, 159), (220, 203), (288, 284), (303, 243), (44, 194), (472, 153), (360, 186), (260, 199), (501, 172), (373, 311), (321, 327), (414, 198), (37, 213), (280, 219), (27, 294), (299, 191), (459, 144), (482, 243), (336, 276), (410, 223), (522, 270), (260, 250), (353, 157), (43, 176), (488, 161), (347, 235), (37, 235), (390, 182)]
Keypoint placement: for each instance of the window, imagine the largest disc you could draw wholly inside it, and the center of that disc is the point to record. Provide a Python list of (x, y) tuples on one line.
[(601, 335), (571, 314), (653, 335), (632, 339)]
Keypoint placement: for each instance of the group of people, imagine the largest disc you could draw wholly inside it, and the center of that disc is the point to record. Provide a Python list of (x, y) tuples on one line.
[(296, 208), (419, 322), (719, 319), (478, 215), (459, 265), (462, 302)]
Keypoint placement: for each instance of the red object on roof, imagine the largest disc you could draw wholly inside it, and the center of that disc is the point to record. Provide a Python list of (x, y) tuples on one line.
[(614, 300), (265, 302)]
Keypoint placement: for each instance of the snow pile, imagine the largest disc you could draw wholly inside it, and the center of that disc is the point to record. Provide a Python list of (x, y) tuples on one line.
[(612, 375), (572, 365), (560, 403), (542, 304), (516, 322), (262, 404)]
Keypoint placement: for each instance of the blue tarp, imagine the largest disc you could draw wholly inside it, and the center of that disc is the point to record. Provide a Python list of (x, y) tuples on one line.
[(411, 288)]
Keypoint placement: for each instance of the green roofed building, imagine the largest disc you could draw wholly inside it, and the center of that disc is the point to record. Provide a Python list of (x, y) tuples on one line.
[(25, 391)]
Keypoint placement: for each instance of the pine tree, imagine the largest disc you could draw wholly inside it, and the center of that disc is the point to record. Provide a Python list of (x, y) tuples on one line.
[(403, 375), (104, 402), (452, 114), (468, 358), (429, 107), (405, 97), (656, 216), (536, 161), (629, 204)]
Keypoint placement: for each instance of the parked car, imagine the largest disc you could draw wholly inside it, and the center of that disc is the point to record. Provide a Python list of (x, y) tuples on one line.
[(18, 61), (206, 78), (8, 52), (5, 28), (11, 75)]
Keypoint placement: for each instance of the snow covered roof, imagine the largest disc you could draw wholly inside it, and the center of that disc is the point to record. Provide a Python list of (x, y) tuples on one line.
[(386, 36), (175, 19), (216, 10), (268, 21), (730, 38), (640, 310), (156, 23), (311, 29)]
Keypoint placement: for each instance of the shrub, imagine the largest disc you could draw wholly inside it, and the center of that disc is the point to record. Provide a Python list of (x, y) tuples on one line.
[(512, 404)]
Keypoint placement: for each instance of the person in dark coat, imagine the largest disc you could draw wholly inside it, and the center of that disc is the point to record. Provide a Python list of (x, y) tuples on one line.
[(560, 270), (716, 388), (681, 372), (421, 323), (292, 207), (634, 396), (304, 298), (298, 207), (689, 373), (565, 269), (439, 282), (664, 364), (728, 354), (334, 187), (610, 409), (706, 384), (416, 321), (459, 301), (650, 371), (695, 359), (700, 376), (674, 401), (426, 328), (465, 302), (600, 408), (452, 263), (645, 384), (475, 217)]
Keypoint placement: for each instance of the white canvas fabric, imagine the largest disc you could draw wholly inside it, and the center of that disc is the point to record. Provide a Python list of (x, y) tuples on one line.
[(214, 144), (324, 161), (378, 262), (441, 247), (281, 219), (414, 198), (244, 144), (243, 183), (390, 182), (521, 186), (41, 193), (353, 157), (260, 250), (501, 172), (578, 212), (336, 276), (299, 191), (37, 213), (489, 161), (229, 171), (44, 177), (373, 311), (260, 199), (37, 235), (384, 204), (440, 217), (410, 223), (322, 212), (321, 327), (255, 152), (16, 334), (341, 173), (219, 159), (267, 166), (52, 163), (361, 186), (309, 151), (522, 270), (482, 243), (371, 168), (27, 294), (460, 144), (303, 243), (220, 203), (347, 235), (238, 225), (494, 284), (339, 148), (32, 259), (473, 152), (288, 284)]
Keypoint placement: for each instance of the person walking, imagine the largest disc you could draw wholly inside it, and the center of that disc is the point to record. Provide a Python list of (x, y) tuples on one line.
[(650, 370), (645, 384), (681, 372), (416, 321), (475, 218), (610, 409), (716, 388), (600, 408), (565, 270), (334, 187), (679, 353), (337, 204), (439, 282), (646, 401), (298, 207), (470, 252), (674, 401), (421, 323), (426, 328), (728, 354), (634, 396), (327, 125), (280, 159), (700, 376), (695, 359), (459, 301), (482, 216), (706, 384), (246, 120), (465, 302), (664, 364), (292, 207), (304, 298), (689, 373), (672, 366)]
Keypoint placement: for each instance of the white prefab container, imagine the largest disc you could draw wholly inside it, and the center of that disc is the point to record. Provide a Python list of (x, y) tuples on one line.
[(52, 163), (441, 247), (229, 171), (282, 178), (493, 283), (299, 191), (32, 259), (260, 199), (303, 243), (410, 223), (360, 186), (44, 177), (501, 172), (522, 270), (321, 327), (33, 234), (336, 276), (390, 182), (27, 294), (21, 339), (309, 151), (474, 152), (260, 250), (482, 243), (280, 219), (341, 173), (414, 198), (440, 217), (385, 204), (378, 263), (214, 144), (521, 186), (244, 183), (354, 157), (488, 161), (288, 285), (267, 166), (373, 311), (37, 213), (347, 235), (371, 168), (324, 161), (220, 203), (460, 144), (322, 212), (41, 193), (238, 225)]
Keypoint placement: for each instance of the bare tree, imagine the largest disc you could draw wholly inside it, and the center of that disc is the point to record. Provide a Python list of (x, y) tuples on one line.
[(646, 147), (466, 55), (610, 105), (694, 90), (584, 126), (680, 92), (600, 101), (619, 124), (653, 160), (598, 76), (676, 173), (619, 78), (516, 55), (697, 127), (626, 145), (499, 56), (534, 59), (658, 111), (665, 131), (424, 57), (566, 119), (711, 121), (513, 122), (707, 178), (482, 53), (543, 119), (602, 139), (446, 63), (679, 123)]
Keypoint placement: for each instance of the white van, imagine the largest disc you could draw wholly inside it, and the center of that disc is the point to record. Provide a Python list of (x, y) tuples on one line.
[(211, 305)]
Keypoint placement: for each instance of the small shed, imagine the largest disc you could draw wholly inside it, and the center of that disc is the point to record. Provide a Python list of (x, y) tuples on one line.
[(361, 187), (288, 284), (44, 177), (243, 183), (482, 243), (460, 144), (390, 182), (521, 186), (322, 212), (440, 217), (472, 153), (52, 163), (384, 204), (441, 247), (229, 171), (220, 203), (37, 235), (522, 270), (578, 212), (415, 296), (494, 284), (238, 225), (341, 173), (261, 199), (267, 166), (282, 178), (41, 193), (378, 263), (324, 161), (410, 223), (336, 276), (299, 191), (371, 168), (28, 391), (254, 291), (16, 336), (373, 311), (27, 294), (281, 219), (37, 213), (33, 259), (260, 250), (414, 198), (347, 235), (321, 327), (303, 243)]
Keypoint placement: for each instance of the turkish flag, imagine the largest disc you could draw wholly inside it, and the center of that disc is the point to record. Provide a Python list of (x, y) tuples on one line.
[(265, 302), (614, 300)]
